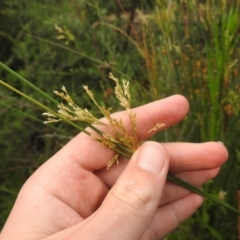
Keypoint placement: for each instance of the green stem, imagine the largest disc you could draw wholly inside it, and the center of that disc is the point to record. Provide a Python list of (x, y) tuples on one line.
[(38, 90), (102, 63), (43, 106), (118, 150), (200, 192), (128, 152), (197, 190)]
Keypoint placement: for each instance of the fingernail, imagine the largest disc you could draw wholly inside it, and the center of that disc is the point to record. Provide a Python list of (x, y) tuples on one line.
[(151, 157), (221, 142)]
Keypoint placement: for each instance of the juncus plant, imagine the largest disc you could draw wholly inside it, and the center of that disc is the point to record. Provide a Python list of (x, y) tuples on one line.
[(108, 131)]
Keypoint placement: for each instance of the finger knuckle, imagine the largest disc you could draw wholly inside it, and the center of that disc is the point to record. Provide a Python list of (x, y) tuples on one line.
[(133, 193)]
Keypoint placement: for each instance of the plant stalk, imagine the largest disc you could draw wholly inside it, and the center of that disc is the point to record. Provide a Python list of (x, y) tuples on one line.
[(120, 148)]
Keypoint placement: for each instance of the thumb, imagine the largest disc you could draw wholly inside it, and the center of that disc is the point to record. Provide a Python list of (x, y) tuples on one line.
[(132, 202)]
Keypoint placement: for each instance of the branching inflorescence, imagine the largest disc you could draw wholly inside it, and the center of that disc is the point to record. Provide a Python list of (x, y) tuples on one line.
[(121, 140)]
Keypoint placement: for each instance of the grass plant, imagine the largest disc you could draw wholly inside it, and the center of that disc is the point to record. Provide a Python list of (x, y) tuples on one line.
[(122, 142)]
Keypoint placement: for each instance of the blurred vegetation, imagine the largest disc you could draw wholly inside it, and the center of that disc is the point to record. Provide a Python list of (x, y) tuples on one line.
[(163, 47)]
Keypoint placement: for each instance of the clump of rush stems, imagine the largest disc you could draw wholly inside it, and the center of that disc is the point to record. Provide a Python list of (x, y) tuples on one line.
[(122, 141)]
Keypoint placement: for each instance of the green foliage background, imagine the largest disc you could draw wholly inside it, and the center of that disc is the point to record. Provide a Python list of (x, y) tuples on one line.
[(163, 47)]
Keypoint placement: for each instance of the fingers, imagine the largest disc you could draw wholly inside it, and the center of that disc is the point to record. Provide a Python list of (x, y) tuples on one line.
[(184, 157), (92, 156), (131, 204), (168, 111), (196, 156), (137, 192), (173, 192), (171, 215)]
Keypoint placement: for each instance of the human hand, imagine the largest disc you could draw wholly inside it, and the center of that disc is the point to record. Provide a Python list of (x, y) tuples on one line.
[(73, 196)]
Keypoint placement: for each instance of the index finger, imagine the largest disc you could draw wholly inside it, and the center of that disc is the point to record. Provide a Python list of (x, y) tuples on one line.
[(89, 154)]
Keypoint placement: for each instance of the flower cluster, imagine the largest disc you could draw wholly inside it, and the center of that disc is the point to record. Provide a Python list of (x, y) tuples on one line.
[(122, 141)]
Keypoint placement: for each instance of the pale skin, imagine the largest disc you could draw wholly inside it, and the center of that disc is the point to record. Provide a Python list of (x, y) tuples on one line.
[(73, 196)]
